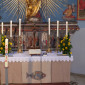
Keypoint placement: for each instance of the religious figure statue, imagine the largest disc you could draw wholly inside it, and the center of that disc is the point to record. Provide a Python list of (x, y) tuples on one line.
[(53, 42), (32, 8), (44, 39)]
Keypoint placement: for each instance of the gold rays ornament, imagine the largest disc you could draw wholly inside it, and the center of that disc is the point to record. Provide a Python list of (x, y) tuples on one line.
[(16, 9)]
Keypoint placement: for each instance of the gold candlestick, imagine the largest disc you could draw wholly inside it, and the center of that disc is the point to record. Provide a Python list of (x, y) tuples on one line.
[(20, 44), (48, 50), (11, 39), (57, 44)]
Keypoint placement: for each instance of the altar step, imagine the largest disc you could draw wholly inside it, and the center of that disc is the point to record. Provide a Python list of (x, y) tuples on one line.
[(44, 84)]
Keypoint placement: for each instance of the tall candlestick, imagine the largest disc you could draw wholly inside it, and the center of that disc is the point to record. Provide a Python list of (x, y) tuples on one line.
[(6, 52), (57, 28), (66, 27), (2, 28), (49, 26), (19, 27), (11, 28)]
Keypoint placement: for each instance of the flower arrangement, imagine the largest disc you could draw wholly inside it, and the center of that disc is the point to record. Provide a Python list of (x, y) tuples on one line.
[(65, 45), (2, 45)]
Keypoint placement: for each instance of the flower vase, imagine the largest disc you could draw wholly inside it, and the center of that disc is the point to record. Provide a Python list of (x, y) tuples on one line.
[(64, 53), (3, 55)]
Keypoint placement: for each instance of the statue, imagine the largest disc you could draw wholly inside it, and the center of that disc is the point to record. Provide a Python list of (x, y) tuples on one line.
[(32, 8)]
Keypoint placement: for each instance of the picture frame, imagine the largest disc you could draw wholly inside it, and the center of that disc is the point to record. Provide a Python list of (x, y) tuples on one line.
[(80, 9)]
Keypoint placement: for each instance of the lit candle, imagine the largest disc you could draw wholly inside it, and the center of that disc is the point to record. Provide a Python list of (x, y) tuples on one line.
[(19, 27), (57, 28), (6, 52), (66, 27), (11, 28), (2, 28), (49, 26)]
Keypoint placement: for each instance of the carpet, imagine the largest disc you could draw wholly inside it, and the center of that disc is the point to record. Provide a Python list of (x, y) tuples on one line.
[(73, 83), (44, 84)]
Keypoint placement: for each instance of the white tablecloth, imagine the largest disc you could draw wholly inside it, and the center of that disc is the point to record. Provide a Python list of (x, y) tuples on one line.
[(25, 57)]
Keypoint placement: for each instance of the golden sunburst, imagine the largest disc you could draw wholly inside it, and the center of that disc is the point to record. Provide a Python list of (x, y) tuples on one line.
[(14, 8), (17, 8), (49, 7)]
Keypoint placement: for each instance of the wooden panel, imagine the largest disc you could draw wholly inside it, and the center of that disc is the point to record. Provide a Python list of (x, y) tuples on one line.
[(14, 73), (46, 68), (66, 71), (0, 71), (60, 71), (30, 68), (26, 68), (57, 74), (35, 67)]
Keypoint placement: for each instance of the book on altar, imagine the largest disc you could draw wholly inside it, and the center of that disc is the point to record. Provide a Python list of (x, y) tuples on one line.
[(35, 51)]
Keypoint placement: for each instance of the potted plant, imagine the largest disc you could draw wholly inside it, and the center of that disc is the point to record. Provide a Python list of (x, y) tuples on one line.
[(2, 45), (65, 45)]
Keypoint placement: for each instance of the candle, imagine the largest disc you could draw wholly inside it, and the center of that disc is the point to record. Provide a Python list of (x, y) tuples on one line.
[(6, 52), (49, 26), (11, 28), (19, 27), (57, 28), (6, 60), (66, 27), (2, 28)]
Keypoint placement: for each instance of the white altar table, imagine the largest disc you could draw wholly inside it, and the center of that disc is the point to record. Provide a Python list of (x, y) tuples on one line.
[(56, 68)]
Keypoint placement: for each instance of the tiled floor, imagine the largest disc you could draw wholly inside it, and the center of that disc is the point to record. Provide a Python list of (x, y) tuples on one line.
[(78, 78)]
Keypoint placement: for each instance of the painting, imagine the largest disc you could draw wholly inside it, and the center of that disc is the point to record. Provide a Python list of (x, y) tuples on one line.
[(68, 12), (30, 40), (81, 10)]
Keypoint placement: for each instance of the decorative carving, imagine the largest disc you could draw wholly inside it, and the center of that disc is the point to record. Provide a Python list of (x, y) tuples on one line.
[(37, 75)]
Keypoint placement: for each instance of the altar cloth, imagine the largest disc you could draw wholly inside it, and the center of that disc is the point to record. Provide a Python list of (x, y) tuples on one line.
[(25, 57), (56, 68)]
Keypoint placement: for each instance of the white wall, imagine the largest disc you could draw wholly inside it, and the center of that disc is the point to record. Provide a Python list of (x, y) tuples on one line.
[(78, 50)]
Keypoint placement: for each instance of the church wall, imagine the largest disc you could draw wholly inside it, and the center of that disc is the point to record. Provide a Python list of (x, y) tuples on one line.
[(78, 50)]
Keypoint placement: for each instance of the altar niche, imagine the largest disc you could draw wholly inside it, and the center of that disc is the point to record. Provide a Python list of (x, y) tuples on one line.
[(38, 40), (33, 40)]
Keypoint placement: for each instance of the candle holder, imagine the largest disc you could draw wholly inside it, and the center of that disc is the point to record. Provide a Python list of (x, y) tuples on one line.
[(57, 48), (20, 44), (48, 50), (11, 40)]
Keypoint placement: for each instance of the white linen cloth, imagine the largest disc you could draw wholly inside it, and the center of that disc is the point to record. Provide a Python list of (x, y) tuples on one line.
[(25, 57)]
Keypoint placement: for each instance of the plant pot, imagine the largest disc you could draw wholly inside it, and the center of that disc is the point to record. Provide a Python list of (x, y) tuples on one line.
[(64, 53), (3, 55)]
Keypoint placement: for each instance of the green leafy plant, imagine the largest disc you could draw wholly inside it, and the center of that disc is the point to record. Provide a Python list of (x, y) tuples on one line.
[(65, 45), (2, 45)]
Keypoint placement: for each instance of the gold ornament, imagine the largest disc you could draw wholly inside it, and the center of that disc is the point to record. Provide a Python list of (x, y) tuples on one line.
[(32, 7)]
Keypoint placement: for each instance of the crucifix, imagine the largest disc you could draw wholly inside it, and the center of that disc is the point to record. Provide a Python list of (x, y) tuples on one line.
[(34, 39)]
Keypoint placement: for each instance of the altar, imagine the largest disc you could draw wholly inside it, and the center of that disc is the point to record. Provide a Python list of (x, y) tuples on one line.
[(24, 68)]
